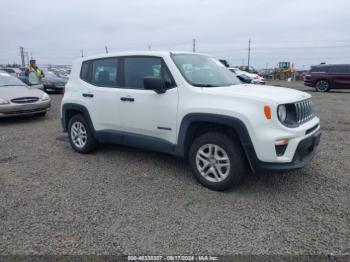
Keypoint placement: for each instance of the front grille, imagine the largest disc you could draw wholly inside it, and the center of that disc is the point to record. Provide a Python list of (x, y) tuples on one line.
[(24, 100), (24, 111), (304, 111)]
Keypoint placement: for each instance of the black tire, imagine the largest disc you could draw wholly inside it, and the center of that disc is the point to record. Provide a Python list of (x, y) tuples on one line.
[(41, 114), (322, 86), (234, 152), (90, 143)]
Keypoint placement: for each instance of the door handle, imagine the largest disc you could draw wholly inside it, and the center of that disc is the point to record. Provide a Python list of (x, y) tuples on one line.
[(87, 95), (128, 99)]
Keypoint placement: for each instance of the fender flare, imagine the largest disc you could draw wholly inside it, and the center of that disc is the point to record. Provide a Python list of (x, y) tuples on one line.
[(76, 107), (232, 122)]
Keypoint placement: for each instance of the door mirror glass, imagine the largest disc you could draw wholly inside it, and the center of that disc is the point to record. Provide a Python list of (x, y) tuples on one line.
[(154, 83), (33, 79)]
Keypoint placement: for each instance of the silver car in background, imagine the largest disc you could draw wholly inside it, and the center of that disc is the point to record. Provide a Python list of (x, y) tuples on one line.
[(17, 99)]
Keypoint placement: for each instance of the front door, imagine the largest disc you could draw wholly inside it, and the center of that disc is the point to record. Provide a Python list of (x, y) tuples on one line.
[(144, 112)]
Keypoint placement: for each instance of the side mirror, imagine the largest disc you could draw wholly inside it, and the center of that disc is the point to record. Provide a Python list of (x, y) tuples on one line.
[(154, 83), (33, 79)]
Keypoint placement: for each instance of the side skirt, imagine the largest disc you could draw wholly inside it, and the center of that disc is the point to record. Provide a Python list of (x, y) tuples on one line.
[(135, 140)]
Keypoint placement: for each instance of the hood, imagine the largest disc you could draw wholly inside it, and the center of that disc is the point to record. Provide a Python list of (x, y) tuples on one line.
[(280, 95), (11, 92)]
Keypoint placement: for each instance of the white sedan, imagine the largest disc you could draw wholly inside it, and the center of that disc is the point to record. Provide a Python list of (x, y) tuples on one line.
[(255, 78)]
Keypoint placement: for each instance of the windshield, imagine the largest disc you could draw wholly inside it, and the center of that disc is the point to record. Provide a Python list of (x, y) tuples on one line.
[(8, 80), (204, 71)]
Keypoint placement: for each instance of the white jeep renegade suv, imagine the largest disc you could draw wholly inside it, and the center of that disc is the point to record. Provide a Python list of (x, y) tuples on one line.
[(192, 106)]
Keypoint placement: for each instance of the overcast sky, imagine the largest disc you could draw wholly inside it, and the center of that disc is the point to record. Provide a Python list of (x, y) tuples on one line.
[(300, 31)]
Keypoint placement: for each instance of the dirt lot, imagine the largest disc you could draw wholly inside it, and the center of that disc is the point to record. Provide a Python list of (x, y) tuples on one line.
[(120, 200)]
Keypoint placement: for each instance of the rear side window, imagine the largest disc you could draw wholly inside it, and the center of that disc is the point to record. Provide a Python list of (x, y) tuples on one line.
[(104, 72), (137, 68), (339, 69)]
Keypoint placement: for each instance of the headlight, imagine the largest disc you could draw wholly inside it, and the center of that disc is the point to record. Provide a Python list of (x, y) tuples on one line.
[(3, 102), (45, 97), (282, 113)]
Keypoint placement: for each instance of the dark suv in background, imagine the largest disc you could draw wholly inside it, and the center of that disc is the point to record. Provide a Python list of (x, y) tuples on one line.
[(325, 77)]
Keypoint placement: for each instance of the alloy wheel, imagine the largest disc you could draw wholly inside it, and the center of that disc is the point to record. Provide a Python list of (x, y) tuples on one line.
[(322, 86), (78, 134), (213, 162)]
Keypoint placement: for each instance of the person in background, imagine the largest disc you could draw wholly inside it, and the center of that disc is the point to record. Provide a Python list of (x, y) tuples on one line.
[(33, 68)]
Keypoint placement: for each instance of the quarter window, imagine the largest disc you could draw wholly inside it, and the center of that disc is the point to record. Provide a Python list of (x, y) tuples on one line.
[(104, 72), (84, 73)]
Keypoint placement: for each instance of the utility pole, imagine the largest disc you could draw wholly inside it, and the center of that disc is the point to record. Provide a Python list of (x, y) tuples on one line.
[(21, 50), (27, 56), (194, 45), (248, 54), (106, 49), (149, 48), (82, 53)]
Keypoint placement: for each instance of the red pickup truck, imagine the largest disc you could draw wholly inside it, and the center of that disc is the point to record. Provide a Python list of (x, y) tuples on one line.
[(326, 77)]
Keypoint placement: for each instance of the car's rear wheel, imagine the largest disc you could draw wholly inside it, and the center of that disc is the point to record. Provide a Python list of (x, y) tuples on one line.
[(217, 161), (80, 135), (322, 86)]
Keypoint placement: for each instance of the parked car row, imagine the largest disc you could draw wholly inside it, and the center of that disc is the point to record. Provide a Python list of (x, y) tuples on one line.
[(51, 82), (18, 99)]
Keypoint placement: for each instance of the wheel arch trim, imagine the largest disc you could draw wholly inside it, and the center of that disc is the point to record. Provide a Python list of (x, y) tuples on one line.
[(229, 121), (75, 107)]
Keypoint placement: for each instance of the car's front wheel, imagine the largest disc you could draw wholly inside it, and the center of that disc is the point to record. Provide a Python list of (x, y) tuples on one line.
[(322, 86), (80, 135), (217, 161)]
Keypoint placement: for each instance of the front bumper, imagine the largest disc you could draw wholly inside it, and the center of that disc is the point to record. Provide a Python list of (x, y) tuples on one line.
[(306, 150), (12, 110), (309, 83)]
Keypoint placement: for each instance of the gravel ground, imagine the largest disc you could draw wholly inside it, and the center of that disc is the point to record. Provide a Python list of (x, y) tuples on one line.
[(120, 200)]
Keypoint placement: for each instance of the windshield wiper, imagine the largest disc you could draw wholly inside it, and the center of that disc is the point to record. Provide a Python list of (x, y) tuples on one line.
[(204, 85), (12, 85)]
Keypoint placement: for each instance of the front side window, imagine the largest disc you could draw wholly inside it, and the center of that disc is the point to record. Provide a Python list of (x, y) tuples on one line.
[(137, 68), (104, 72), (204, 71)]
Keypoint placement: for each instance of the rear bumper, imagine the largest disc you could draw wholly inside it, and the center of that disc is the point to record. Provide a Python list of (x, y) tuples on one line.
[(306, 150), (13, 110), (54, 87)]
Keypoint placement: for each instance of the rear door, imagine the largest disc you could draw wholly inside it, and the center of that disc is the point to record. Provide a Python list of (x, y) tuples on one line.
[(102, 93), (340, 74)]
